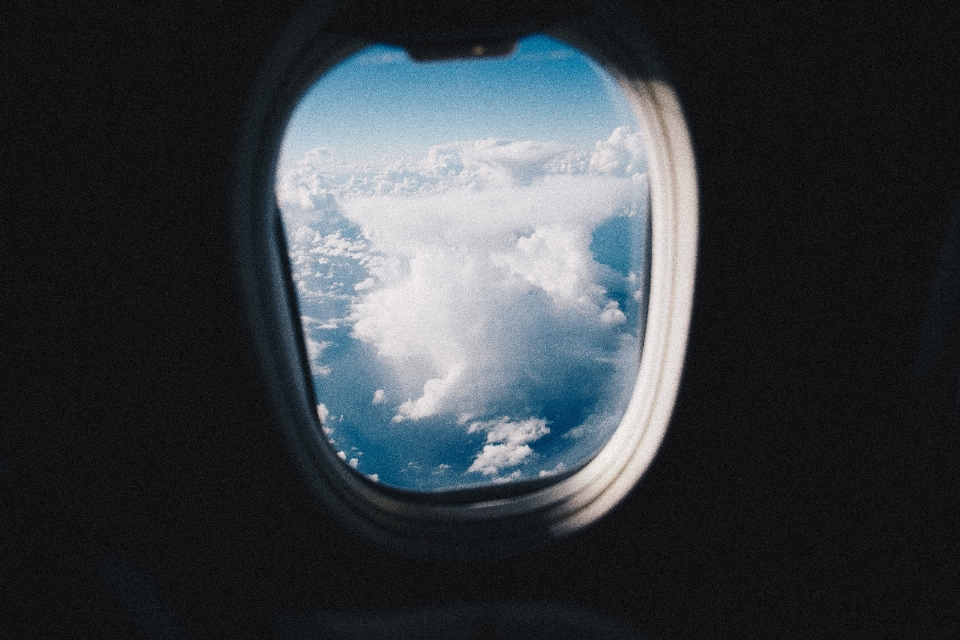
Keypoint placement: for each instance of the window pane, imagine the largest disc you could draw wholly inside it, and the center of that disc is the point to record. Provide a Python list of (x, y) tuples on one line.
[(468, 244)]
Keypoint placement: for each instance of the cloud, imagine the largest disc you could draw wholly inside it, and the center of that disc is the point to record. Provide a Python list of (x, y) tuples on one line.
[(314, 351), (462, 302), (322, 179), (435, 390), (507, 444), (464, 289), (612, 314), (323, 413), (556, 258), (546, 473), (519, 162), (621, 154)]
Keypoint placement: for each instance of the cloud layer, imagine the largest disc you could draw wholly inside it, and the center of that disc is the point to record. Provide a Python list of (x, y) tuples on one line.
[(466, 295)]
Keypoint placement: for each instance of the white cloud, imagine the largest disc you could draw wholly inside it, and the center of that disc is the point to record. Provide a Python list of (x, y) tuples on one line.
[(469, 278), (452, 302), (323, 413), (507, 444), (518, 162), (621, 154), (557, 259), (321, 177), (314, 351), (366, 284), (435, 390), (612, 314), (546, 473)]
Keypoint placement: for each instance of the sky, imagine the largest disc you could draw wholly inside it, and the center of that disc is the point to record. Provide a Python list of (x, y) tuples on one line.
[(544, 91), (467, 241)]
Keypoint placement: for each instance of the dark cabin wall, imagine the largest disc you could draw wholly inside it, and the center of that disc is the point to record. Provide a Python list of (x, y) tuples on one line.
[(799, 475)]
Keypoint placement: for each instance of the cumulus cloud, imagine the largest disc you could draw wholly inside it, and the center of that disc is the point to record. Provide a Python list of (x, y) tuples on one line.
[(612, 314), (507, 445), (462, 302), (621, 154), (322, 178), (468, 283)]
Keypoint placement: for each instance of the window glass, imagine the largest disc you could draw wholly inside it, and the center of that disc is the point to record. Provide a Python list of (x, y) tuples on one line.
[(468, 241)]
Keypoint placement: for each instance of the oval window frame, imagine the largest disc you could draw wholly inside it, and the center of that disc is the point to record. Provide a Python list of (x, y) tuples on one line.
[(492, 520)]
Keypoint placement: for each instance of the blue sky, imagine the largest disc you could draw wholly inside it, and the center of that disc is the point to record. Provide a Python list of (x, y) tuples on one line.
[(380, 102), (467, 243)]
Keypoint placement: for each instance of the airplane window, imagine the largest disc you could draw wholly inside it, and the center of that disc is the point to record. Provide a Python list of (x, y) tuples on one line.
[(468, 281), (469, 245)]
